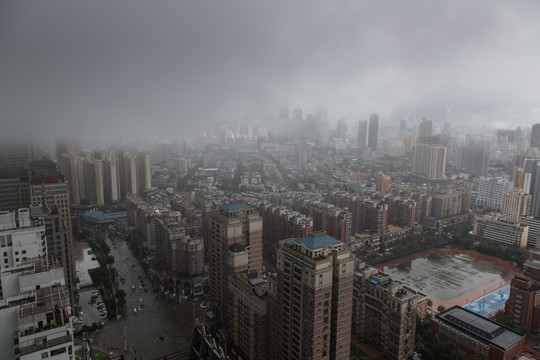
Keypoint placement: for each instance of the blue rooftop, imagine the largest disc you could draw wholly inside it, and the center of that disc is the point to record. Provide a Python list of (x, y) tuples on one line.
[(235, 207), (317, 242), (100, 215)]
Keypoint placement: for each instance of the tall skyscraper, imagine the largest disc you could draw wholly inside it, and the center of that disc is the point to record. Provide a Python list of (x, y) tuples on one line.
[(94, 182), (144, 175), (341, 129), (373, 131), (425, 130), (535, 136), (362, 134), (235, 245), (473, 158), (429, 161), (311, 301), (127, 171), (110, 180)]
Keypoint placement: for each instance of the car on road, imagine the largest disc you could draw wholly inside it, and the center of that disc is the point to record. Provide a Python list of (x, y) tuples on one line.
[(140, 300), (135, 310)]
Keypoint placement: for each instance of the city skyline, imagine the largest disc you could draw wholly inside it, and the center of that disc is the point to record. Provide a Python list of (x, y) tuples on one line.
[(129, 70)]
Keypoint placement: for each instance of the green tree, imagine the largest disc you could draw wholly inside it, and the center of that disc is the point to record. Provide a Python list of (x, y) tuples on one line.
[(441, 308)]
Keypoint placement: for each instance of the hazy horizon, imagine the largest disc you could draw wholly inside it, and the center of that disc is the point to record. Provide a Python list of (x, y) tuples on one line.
[(140, 70)]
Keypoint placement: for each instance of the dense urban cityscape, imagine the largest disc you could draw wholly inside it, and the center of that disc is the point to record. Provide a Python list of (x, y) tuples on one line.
[(273, 180), (268, 246)]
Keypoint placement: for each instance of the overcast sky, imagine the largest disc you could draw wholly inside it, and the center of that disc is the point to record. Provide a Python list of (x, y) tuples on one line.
[(125, 68)]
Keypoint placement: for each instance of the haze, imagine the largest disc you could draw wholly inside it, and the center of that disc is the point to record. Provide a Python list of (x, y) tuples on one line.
[(155, 69)]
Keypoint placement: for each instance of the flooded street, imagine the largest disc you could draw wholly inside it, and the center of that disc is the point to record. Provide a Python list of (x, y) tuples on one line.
[(139, 333)]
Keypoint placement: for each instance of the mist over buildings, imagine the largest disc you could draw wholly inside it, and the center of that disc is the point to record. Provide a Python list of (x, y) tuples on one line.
[(146, 70)]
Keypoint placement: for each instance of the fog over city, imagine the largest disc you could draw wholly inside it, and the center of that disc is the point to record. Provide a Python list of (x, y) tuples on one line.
[(151, 70)]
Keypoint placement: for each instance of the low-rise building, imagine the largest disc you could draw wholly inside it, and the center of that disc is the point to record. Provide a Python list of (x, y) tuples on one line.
[(477, 335)]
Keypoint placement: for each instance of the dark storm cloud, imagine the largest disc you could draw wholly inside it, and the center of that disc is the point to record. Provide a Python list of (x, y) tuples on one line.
[(168, 68)]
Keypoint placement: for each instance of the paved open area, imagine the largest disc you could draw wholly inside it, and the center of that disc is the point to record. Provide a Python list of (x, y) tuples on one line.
[(450, 276)]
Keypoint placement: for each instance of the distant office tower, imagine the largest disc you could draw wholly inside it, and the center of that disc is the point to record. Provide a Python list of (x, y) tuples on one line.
[(532, 166), (235, 245), (110, 180), (474, 157), (14, 189), (425, 130), (94, 182), (491, 190), (522, 180), (144, 175), (402, 127), (70, 171), (384, 313), (429, 161), (515, 204), (15, 155), (535, 136), (362, 134), (341, 129), (297, 116), (127, 173), (312, 300), (373, 131)]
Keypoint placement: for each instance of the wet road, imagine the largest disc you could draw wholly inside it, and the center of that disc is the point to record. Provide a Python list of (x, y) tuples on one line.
[(140, 333)]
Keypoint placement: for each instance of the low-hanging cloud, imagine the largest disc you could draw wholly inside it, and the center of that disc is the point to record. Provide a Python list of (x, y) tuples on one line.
[(134, 69)]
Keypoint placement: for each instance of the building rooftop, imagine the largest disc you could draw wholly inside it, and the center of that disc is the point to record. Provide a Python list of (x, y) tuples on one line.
[(479, 326), (235, 207), (315, 241)]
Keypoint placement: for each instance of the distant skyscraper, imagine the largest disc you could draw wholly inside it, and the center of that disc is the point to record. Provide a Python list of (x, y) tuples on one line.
[(110, 180), (15, 155), (127, 171), (474, 157), (535, 136), (373, 131), (341, 129), (425, 130), (94, 182), (429, 161), (144, 175), (362, 134), (312, 300)]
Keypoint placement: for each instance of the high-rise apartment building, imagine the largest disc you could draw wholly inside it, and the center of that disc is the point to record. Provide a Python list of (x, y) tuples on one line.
[(127, 173), (384, 313), (362, 134), (373, 131), (312, 300), (341, 129), (515, 204), (491, 190), (94, 182), (144, 176), (429, 161), (535, 136), (235, 245), (110, 180), (473, 158), (425, 130), (15, 155)]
